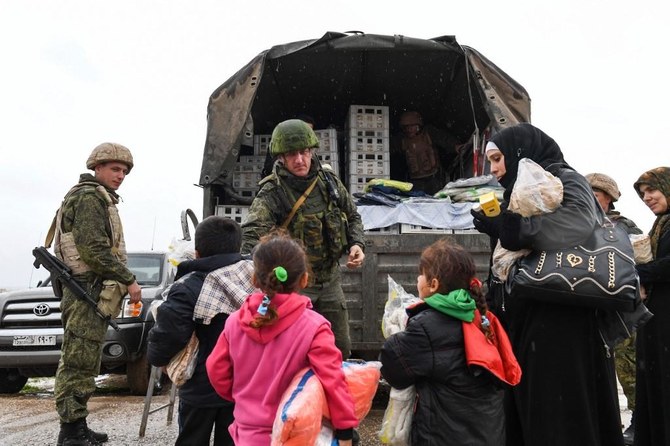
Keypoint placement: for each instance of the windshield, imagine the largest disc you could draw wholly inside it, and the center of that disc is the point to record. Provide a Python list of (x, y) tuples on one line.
[(148, 268)]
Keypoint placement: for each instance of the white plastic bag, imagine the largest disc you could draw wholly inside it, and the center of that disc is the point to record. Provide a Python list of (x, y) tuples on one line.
[(535, 192), (180, 250), (395, 317), (641, 248), (397, 421)]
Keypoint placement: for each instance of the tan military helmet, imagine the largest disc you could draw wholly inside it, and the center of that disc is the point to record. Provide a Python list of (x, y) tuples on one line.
[(109, 151), (605, 183)]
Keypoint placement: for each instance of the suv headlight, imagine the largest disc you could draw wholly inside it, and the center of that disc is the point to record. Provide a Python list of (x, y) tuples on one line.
[(131, 310)]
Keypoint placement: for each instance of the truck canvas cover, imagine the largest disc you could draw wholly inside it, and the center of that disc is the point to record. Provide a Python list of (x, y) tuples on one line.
[(452, 85)]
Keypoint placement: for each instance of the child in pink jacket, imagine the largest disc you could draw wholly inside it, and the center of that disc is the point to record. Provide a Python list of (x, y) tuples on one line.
[(269, 339)]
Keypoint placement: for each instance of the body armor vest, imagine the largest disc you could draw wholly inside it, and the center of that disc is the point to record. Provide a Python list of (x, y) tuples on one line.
[(422, 158), (64, 245)]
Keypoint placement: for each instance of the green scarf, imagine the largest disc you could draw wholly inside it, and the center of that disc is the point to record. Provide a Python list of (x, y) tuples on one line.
[(457, 303)]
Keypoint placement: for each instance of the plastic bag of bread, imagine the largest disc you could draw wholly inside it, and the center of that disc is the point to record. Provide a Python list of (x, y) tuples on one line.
[(641, 248)]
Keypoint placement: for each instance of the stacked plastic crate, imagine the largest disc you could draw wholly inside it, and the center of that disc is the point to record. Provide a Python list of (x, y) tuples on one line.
[(327, 151), (246, 176), (368, 155)]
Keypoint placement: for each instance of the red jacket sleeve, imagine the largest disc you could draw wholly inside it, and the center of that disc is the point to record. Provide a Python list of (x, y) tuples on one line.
[(220, 370), (326, 361)]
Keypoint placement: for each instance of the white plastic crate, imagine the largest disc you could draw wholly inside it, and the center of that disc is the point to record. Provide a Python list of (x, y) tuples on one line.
[(368, 117), (237, 213), (393, 229), (246, 180), (250, 163), (369, 144), (327, 140), (369, 167), (261, 144), (331, 159), (357, 183), (368, 133), (417, 229)]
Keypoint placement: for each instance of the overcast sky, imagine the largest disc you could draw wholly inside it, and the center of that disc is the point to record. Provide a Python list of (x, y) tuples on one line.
[(77, 73)]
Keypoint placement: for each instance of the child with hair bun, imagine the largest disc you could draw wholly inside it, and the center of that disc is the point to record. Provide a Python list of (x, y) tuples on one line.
[(274, 335), (455, 352)]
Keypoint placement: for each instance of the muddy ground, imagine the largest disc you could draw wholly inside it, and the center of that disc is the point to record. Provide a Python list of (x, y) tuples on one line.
[(29, 418)]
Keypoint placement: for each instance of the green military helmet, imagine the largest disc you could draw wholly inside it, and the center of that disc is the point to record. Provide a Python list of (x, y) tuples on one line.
[(292, 135), (107, 152)]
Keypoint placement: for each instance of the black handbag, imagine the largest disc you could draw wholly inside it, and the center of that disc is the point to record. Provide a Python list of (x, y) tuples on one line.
[(600, 273)]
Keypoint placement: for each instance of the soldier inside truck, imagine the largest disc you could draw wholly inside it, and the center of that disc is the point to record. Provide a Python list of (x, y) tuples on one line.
[(425, 155)]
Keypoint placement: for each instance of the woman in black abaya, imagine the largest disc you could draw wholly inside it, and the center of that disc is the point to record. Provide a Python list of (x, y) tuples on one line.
[(567, 395)]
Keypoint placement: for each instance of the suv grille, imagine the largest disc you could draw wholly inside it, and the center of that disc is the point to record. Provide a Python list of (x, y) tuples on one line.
[(32, 313)]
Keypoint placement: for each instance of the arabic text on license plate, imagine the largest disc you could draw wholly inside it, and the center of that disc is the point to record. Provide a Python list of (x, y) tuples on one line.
[(34, 340)]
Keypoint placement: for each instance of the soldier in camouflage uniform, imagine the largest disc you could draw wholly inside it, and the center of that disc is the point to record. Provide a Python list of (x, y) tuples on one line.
[(607, 192), (89, 239), (327, 222)]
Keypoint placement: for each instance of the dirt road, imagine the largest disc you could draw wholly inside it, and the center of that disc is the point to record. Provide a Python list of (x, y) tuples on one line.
[(29, 418)]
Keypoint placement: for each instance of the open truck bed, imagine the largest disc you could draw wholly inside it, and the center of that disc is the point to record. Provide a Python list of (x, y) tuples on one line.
[(453, 86)]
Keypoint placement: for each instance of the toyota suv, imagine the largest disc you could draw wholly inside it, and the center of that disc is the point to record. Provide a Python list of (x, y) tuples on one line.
[(31, 332)]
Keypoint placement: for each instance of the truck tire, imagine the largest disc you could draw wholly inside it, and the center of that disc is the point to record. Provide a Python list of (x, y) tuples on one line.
[(11, 381), (137, 375)]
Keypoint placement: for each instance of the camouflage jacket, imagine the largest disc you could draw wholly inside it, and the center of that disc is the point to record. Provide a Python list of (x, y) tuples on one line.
[(85, 214), (628, 225), (279, 191)]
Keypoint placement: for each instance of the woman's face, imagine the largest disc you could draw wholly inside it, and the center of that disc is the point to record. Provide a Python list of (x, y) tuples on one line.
[(497, 160), (654, 199)]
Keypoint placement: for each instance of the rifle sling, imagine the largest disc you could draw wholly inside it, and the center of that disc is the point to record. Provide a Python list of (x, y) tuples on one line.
[(299, 203)]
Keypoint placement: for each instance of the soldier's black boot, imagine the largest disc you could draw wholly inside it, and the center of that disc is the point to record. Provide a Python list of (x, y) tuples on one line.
[(75, 434), (629, 434), (100, 437)]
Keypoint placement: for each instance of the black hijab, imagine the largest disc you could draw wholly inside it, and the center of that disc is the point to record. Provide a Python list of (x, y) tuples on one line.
[(526, 141)]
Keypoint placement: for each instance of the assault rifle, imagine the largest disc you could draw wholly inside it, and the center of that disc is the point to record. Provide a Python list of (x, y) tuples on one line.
[(61, 272)]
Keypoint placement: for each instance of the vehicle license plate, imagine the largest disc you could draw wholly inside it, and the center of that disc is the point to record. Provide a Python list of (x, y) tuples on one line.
[(34, 340)]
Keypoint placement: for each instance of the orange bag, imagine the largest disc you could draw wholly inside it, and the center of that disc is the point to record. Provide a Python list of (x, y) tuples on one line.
[(298, 419), (362, 379)]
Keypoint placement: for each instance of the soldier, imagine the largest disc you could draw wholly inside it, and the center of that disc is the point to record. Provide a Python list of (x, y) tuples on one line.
[(607, 192), (427, 153), (313, 204), (89, 239)]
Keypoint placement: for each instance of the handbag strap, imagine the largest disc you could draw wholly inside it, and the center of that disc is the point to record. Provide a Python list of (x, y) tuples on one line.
[(299, 203)]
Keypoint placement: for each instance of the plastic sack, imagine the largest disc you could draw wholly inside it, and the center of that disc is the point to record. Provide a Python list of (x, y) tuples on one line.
[(535, 192), (395, 317), (641, 248), (181, 367), (397, 421), (362, 380), (298, 418), (180, 250), (326, 436)]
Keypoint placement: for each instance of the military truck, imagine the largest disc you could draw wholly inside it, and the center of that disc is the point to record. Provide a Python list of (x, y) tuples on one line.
[(453, 86)]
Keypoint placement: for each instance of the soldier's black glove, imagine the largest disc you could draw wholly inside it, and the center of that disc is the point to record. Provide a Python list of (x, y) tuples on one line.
[(487, 225)]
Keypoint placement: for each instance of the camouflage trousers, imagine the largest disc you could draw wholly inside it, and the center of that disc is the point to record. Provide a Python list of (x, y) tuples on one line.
[(624, 361), (329, 301), (80, 357)]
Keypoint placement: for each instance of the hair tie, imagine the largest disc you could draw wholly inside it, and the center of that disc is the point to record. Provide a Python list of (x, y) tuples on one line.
[(263, 307), (485, 322), (475, 283), (280, 273)]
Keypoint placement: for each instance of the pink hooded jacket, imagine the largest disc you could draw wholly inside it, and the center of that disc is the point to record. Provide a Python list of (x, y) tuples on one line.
[(253, 367)]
